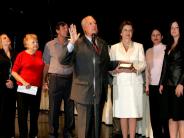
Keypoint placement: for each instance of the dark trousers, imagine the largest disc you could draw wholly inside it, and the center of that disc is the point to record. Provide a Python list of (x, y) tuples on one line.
[(60, 89), (158, 112), (7, 112), (31, 103), (88, 121)]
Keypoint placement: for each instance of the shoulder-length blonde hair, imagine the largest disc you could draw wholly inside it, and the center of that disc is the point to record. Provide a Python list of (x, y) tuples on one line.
[(1, 45)]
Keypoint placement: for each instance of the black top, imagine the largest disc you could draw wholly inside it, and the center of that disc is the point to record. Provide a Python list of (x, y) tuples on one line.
[(5, 66), (173, 67)]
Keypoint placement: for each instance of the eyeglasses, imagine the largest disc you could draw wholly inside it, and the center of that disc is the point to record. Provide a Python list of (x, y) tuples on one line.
[(34, 42)]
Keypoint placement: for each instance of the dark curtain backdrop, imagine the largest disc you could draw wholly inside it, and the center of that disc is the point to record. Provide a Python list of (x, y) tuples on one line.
[(41, 16)]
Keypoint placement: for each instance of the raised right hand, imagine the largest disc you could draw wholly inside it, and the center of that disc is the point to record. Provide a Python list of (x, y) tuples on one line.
[(73, 33)]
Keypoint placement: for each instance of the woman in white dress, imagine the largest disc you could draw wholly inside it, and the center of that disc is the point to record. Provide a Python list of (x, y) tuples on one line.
[(128, 80)]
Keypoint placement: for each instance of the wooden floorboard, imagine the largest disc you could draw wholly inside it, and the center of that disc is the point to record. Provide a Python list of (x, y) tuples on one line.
[(106, 131), (43, 126)]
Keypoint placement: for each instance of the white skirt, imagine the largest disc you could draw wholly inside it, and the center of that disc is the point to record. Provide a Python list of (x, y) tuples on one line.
[(128, 101)]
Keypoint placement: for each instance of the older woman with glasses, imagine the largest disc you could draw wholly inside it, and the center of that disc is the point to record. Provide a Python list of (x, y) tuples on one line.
[(28, 70)]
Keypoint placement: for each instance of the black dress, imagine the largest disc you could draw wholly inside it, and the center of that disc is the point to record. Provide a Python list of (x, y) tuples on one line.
[(173, 74)]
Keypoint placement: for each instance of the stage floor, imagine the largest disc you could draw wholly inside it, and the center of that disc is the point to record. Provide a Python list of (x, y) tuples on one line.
[(43, 127)]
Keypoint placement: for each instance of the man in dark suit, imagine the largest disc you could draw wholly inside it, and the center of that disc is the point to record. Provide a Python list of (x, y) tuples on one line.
[(89, 76)]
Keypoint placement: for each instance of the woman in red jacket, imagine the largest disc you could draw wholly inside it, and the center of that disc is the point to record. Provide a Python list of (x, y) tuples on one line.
[(28, 70)]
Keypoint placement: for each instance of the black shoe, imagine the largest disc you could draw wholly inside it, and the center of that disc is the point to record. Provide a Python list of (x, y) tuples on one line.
[(116, 134), (69, 135), (53, 135), (116, 131), (33, 137)]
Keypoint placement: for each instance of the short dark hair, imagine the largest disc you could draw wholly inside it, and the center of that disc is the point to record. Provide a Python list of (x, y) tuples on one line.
[(125, 22), (61, 23)]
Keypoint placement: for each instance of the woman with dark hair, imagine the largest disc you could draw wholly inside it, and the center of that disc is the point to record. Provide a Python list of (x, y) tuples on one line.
[(172, 80), (128, 80), (158, 102)]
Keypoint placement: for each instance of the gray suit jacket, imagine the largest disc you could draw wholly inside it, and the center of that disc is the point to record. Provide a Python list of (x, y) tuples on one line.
[(85, 68)]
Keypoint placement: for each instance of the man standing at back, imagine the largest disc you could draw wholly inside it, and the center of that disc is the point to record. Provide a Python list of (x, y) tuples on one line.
[(58, 82)]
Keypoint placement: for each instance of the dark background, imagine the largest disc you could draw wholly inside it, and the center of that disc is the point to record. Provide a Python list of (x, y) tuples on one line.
[(19, 17)]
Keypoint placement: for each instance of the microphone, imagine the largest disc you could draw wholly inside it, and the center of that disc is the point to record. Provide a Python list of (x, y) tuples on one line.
[(94, 35), (97, 50)]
